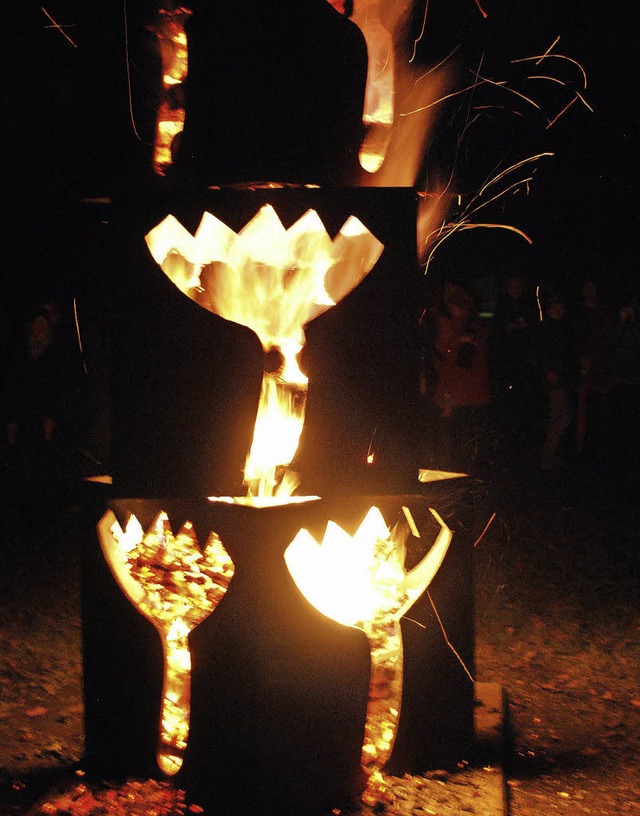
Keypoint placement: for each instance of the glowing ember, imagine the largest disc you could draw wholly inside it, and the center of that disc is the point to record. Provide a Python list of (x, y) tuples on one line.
[(361, 581), (273, 280), (133, 797), (176, 586), (262, 501)]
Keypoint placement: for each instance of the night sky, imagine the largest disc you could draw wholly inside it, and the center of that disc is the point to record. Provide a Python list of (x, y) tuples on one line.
[(71, 134)]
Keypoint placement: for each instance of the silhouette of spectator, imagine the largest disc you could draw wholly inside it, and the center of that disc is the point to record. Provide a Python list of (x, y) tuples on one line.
[(594, 327), (6, 335), (625, 367), (554, 356), (515, 319), (39, 399), (31, 403), (461, 390)]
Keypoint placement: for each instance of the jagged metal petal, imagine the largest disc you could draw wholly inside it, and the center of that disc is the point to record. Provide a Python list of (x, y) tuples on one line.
[(355, 252), (214, 241), (174, 249), (112, 540), (418, 579), (263, 240)]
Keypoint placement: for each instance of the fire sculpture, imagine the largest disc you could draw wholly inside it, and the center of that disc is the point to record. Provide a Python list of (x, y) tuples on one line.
[(361, 581), (176, 586), (273, 280)]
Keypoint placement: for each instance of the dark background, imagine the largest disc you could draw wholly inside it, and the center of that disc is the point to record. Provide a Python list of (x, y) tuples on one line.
[(579, 210)]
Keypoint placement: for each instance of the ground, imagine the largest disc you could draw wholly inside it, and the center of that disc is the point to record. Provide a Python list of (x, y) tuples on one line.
[(558, 626), (557, 621)]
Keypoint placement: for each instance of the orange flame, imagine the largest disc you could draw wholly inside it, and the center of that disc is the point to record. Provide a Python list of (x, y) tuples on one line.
[(170, 117)]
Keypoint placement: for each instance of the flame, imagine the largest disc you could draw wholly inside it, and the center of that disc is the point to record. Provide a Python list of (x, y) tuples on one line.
[(169, 29), (176, 587), (378, 113), (409, 100), (262, 501), (418, 102), (361, 581), (389, 82), (273, 280), (395, 136), (276, 436)]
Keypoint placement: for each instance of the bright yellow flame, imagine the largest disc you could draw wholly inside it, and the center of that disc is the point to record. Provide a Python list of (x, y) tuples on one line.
[(274, 280), (361, 581), (262, 501), (275, 437), (176, 587), (378, 103)]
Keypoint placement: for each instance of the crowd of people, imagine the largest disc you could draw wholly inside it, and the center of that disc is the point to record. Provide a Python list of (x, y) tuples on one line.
[(550, 378)]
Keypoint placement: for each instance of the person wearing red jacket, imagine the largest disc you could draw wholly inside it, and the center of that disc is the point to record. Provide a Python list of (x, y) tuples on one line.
[(462, 390)]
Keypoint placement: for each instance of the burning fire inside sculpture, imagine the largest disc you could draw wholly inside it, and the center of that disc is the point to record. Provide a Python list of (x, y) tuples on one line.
[(214, 579), (273, 281), (176, 586), (357, 581)]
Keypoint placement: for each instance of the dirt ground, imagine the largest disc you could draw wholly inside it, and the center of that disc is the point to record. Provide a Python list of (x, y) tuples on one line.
[(558, 626)]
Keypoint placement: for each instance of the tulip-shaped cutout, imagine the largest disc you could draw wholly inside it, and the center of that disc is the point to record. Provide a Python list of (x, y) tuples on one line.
[(176, 586), (361, 581), (273, 280)]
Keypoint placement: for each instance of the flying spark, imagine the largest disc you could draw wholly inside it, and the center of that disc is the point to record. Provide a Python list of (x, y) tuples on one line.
[(421, 34), (481, 10), (486, 527), (58, 26), (435, 238), (446, 637), (563, 111), (538, 59)]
